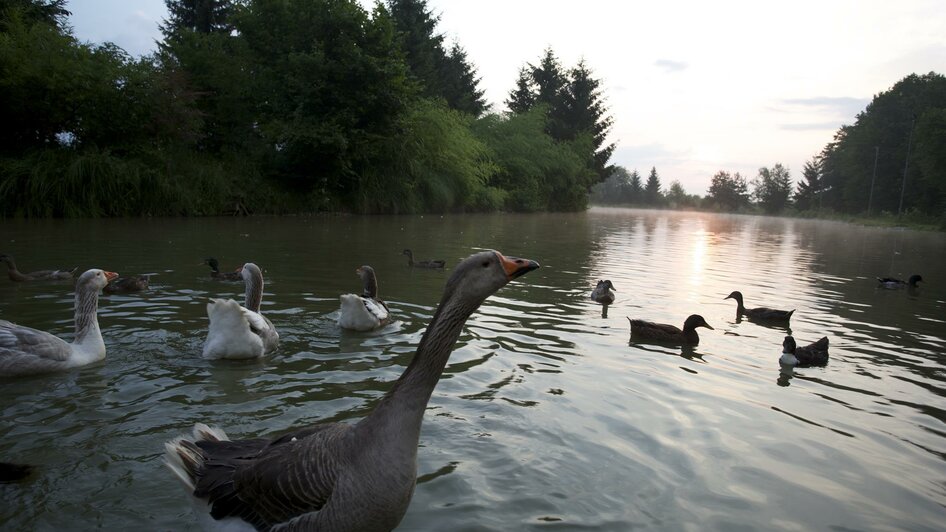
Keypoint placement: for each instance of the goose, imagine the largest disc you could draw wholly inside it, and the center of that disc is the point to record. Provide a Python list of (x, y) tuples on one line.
[(340, 476), (645, 330), (41, 275), (603, 292), (215, 272), (236, 332), (124, 285), (429, 264), (14, 472), (26, 351), (364, 312), (759, 313), (893, 283), (815, 354)]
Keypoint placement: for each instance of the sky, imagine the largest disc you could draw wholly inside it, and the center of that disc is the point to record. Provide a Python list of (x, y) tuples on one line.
[(693, 87)]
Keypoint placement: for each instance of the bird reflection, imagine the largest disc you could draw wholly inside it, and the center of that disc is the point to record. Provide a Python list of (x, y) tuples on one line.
[(604, 311)]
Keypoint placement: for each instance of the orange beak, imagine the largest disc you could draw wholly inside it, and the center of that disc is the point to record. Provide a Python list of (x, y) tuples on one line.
[(110, 276), (515, 267)]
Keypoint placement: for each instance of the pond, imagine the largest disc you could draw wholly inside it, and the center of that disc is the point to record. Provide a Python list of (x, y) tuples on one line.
[(547, 414)]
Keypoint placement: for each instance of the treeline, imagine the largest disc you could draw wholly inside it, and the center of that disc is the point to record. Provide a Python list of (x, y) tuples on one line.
[(891, 161), (273, 106)]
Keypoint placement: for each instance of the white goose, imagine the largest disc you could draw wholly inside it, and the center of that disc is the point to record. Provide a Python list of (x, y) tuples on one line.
[(236, 332), (26, 351), (336, 476), (364, 312)]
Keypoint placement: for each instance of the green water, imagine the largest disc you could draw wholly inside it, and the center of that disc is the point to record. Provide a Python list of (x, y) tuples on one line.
[(546, 415)]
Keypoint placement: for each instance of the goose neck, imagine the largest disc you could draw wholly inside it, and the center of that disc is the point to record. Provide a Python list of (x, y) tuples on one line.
[(253, 296), (86, 316), (402, 408)]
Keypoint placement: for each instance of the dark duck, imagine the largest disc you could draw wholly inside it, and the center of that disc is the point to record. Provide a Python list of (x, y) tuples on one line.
[(603, 292), (815, 354), (759, 313), (892, 283), (215, 272), (659, 332)]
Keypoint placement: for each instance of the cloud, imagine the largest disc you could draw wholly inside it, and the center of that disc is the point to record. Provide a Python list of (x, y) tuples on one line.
[(813, 126), (841, 106), (670, 66)]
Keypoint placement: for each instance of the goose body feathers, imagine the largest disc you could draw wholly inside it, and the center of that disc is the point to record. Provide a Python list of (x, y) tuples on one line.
[(28, 351), (336, 476), (240, 332), (364, 312)]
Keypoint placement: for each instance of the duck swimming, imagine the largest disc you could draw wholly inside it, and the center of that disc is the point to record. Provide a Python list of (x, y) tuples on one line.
[(239, 333), (364, 312), (759, 313), (26, 351), (892, 283), (659, 332), (41, 275), (125, 285), (215, 272), (340, 476), (815, 354), (603, 292), (429, 264)]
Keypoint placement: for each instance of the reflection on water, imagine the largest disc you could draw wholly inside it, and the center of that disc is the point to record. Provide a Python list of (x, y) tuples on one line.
[(547, 413)]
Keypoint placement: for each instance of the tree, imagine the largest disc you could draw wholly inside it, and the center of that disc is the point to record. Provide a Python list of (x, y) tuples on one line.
[(636, 193), (772, 187), (729, 192), (522, 98), (652, 194), (201, 16), (677, 197), (808, 191), (422, 46), (52, 12), (583, 112), (461, 86)]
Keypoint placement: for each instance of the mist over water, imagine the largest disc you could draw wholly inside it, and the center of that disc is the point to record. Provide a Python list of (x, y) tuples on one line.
[(547, 415)]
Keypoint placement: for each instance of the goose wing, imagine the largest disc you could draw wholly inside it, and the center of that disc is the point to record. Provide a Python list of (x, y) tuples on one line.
[(377, 308), (262, 327), (16, 340), (267, 482)]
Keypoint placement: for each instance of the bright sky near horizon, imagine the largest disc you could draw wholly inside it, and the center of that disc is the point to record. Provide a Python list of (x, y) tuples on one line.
[(694, 87)]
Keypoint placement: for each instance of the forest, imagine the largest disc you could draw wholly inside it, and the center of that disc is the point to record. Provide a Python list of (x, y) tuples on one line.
[(891, 162), (280, 106)]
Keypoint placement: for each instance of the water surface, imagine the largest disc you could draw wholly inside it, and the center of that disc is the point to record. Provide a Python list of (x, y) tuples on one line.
[(546, 416)]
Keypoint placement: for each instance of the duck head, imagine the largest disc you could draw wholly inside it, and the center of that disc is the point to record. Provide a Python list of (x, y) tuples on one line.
[(915, 279), (788, 352), (737, 295), (694, 321)]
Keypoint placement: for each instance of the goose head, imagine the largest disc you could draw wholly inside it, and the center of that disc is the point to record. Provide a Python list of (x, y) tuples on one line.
[(249, 272), (94, 280), (694, 321), (480, 275), (368, 278)]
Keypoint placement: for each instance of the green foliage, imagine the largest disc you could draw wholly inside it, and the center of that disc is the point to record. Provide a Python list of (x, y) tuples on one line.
[(435, 164), (808, 192), (537, 172), (652, 193), (728, 192), (772, 187), (677, 198), (889, 127)]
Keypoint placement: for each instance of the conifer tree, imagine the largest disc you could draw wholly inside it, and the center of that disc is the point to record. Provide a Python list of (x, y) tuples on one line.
[(652, 195)]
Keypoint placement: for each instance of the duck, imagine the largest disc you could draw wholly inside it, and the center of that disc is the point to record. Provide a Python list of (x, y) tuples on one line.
[(336, 475), (240, 332), (603, 292), (125, 285), (759, 313), (364, 312), (429, 264), (215, 272), (892, 283), (27, 351), (646, 330), (41, 275), (10, 472), (815, 354)]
